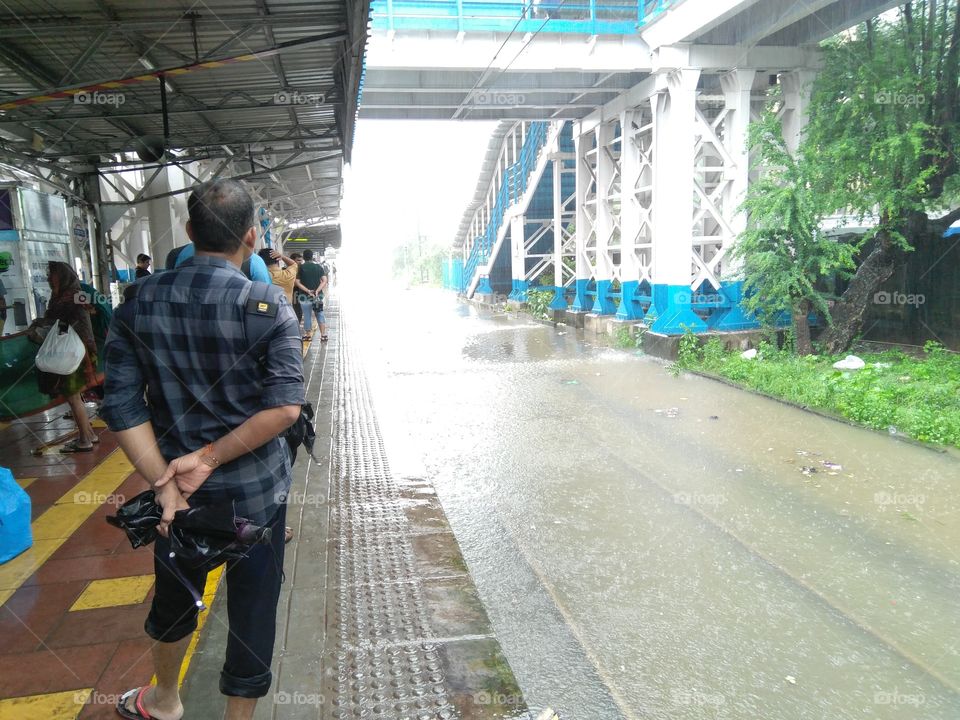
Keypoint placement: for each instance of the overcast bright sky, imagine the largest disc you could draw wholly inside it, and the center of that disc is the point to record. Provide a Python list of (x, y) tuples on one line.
[(409, 172)]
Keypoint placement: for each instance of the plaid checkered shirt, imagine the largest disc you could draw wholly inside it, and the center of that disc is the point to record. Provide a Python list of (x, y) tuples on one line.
[(177, 355)]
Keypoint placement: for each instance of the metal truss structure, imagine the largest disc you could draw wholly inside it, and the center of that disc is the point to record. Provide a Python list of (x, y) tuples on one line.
[(639, 203), (151, 100)]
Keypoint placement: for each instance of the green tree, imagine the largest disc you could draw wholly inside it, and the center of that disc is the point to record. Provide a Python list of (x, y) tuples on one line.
[(883, 141), (782, 250)]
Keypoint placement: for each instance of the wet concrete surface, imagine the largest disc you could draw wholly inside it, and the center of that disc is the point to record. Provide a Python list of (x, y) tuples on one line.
[(651, 546), (378, 615)]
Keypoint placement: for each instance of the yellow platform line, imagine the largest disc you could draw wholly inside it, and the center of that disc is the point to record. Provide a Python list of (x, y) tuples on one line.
[(60, 705), (58, 523), (113, 592)]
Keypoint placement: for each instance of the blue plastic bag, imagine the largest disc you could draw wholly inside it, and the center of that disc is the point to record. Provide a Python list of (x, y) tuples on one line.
[(15, 534)]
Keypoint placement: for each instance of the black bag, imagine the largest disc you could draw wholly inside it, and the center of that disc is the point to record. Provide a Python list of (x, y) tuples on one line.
[(301, 433)]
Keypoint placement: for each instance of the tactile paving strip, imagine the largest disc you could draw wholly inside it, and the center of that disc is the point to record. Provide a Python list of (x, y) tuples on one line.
[(378, 631)]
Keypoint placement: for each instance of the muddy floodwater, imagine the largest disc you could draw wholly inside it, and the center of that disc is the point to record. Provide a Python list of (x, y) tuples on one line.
[(651, 546)]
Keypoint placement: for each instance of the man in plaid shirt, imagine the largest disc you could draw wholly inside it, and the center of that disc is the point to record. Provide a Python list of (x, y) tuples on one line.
[(198, 411)]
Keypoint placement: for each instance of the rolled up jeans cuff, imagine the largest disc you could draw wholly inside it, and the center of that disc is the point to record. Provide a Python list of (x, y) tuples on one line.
[(170, 634), (251, 687)]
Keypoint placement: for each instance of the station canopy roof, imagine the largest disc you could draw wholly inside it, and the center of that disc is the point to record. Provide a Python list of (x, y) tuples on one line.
[(264, 90)]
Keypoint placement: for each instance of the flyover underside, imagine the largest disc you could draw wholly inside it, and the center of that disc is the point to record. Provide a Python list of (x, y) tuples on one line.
[(660, 169)]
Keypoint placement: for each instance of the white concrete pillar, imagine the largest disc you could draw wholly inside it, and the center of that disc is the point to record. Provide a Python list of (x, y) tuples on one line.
[(556, 165), (605, 224), (737, 86), (584, 223), (673, 203), (165, 231), (518, 257), (630, 213), (796, 105)]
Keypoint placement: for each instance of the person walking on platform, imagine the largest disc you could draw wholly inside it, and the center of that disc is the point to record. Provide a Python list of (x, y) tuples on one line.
[(67, 305), (311, 281), (199, 407)]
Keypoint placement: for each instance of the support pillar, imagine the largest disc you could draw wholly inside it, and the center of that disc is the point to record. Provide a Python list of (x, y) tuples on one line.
[(797, 85), (673, 205), (165, 215), (737, 86), (559, 295), (518, 258), (584, 224), (102, 257), (630, 217), (604, 224)]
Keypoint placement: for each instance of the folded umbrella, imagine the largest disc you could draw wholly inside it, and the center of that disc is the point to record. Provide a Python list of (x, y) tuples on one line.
[(202, 537)]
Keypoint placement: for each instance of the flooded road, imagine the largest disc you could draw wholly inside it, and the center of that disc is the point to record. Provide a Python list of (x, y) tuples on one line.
[(651, 546)]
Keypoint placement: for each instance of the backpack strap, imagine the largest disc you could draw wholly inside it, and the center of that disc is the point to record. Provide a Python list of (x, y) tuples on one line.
[(259, 316)]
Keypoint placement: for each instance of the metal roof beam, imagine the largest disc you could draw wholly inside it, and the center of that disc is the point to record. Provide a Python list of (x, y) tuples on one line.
[(11, 27), (242, 176)]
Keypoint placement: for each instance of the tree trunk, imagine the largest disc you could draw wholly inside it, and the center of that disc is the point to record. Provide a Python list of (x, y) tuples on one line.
[(847, 314), (801, 327)]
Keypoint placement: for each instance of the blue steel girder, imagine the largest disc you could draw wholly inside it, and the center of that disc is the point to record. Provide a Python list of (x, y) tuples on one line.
[(586, 17)]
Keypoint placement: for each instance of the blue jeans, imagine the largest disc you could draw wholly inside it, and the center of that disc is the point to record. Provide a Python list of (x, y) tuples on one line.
[(308, 312), (253, 589)]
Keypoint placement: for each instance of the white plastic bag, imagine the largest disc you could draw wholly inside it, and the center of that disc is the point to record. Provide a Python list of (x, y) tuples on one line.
[(61, 352)]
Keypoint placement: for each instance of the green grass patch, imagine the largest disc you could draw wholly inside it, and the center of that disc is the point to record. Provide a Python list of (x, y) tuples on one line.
[(916, 396)]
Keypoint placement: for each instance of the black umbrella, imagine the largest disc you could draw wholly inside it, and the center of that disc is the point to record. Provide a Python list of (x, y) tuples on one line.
[(202, 537)]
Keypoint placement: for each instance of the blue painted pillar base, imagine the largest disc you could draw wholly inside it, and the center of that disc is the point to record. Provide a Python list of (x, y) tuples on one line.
[(629, 309), (520, 288), (602, 305), (483, 287), (676, 315), (559, 301), (581, 301), (734, 317)]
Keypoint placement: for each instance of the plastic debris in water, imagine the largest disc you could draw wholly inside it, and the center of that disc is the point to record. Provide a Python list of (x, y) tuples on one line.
[(831, 465), (791, 679), (571, 382), (669, 412), (808, 470)]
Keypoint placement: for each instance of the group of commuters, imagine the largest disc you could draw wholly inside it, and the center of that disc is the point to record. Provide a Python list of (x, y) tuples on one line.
[(203, 374), (303, 280)]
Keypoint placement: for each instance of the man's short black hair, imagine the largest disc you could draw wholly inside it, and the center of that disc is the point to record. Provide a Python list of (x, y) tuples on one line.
[(221, 212), (267, 258), (295, 256), (308, 255), (142, 258)]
